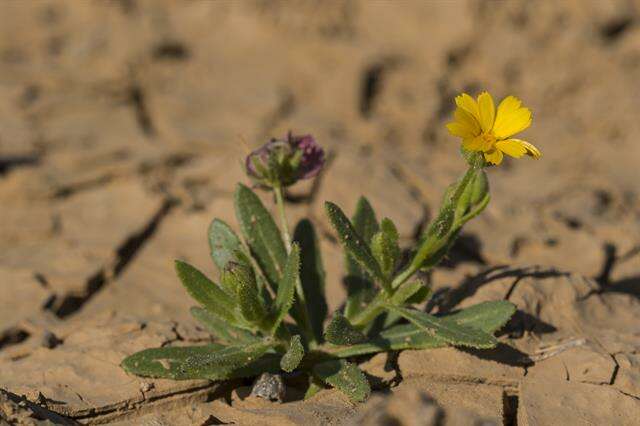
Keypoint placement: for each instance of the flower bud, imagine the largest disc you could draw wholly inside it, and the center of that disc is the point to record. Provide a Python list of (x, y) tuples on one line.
[(284, 162), (236, 274)]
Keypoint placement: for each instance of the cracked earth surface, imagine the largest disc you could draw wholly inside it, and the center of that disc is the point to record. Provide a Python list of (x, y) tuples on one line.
[(121, 134)]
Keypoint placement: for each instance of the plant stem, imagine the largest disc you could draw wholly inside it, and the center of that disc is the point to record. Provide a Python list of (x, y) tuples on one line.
[(431, 245), (284, 224), (300, 304), (373, 309)]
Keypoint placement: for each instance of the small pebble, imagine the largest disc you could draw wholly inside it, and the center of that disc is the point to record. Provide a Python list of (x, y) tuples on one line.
[(270, 387)]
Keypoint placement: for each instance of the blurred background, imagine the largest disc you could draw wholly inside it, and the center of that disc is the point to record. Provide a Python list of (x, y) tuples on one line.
[(123, 125)]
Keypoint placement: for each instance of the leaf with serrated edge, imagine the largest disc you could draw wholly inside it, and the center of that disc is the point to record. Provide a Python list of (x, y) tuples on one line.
[(261, 233), (345, 377), (340, 331), (352, 242), (221, 329), (223, 243), (206, 292), (291, 359), (211, 362), (449, 331), (286, 287)]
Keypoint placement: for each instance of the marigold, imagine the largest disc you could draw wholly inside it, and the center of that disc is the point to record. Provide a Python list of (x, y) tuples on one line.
[(483, 129)]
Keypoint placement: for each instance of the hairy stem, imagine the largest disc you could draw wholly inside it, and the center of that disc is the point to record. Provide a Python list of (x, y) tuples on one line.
[(300, 304), (433, 245), (284, 224)]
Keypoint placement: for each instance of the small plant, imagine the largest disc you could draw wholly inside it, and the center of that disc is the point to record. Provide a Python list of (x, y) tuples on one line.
[(269, 277)]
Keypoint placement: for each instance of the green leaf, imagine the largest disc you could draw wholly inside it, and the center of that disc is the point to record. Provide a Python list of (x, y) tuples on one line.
[(364, 220), (353, 243), (447, 330), (412, 290), (385, 248), (341, 332), (261, 233), (312, 275), (486, 316), (397, 337), (213, 362), (315, 386), (345, 377), (206, 292), (360, 287), (223, 243), (286, 287), (250, 302), (291, 359), (220, 329)]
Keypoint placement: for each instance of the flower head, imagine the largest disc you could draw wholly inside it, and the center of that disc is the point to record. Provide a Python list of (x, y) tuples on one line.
[(486, 130), (282, 162)]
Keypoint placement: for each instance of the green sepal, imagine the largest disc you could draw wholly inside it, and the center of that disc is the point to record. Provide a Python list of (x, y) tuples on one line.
[(261, 234), (340, 331), (291, 359), (345, 377)]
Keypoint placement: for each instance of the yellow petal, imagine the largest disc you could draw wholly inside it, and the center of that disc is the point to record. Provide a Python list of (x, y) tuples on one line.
[(532, 151), (468, 104), (473, 144), (494, 157), (511, 147), (468, 120), (511, 118), (459, 130), (487, 111)]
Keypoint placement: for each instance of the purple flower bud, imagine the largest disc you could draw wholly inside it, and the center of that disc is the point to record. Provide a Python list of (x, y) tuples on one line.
[(260, 156), (312, 155), (283, 162)]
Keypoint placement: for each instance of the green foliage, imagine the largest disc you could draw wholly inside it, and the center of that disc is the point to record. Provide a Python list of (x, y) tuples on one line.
[(261, 234), (386, 250), (222, 330), (360, 286), (206, 292), (447, 330), (312, 275), (341, 332), (344, 376), (291, 359), (267, 309), (286, 288), (223, 243), (355, 245)]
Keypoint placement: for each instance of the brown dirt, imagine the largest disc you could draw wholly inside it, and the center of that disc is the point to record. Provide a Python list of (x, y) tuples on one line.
[(121, 132)]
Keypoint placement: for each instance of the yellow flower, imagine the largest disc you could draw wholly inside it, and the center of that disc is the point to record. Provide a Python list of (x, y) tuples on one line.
[(483, 129)]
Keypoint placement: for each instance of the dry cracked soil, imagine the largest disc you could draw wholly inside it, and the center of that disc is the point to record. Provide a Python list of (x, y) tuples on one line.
[(122, 128)]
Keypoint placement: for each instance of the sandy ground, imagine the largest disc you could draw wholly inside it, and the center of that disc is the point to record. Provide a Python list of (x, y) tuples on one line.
[(122, 128)]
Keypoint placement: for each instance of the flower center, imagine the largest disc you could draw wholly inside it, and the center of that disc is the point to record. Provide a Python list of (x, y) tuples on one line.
[(488, 140)]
